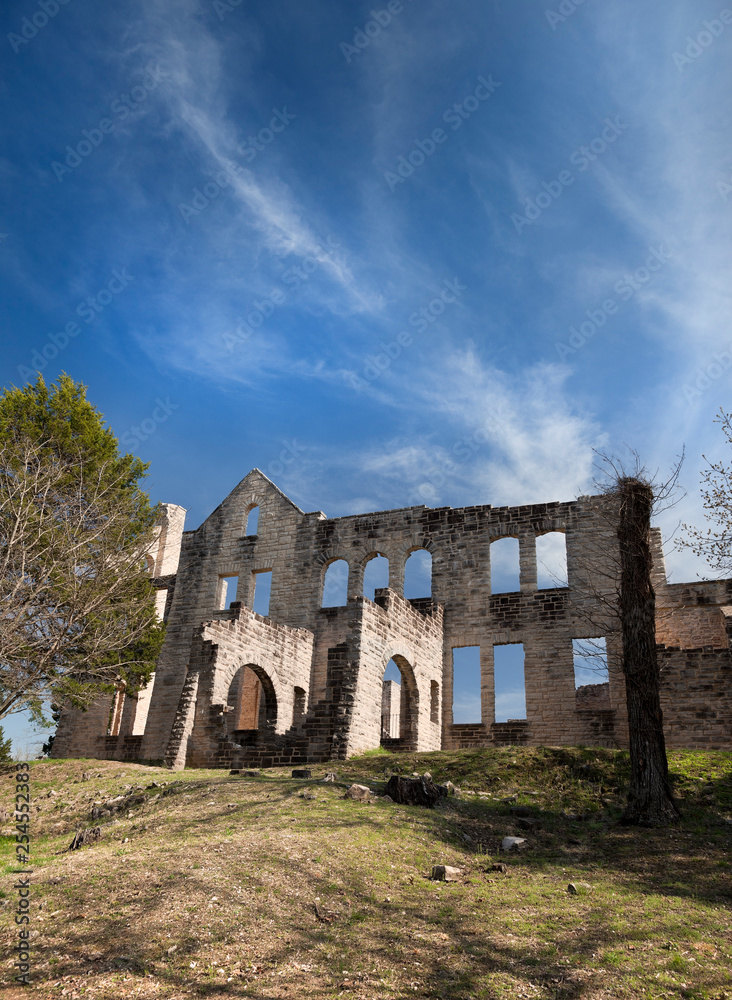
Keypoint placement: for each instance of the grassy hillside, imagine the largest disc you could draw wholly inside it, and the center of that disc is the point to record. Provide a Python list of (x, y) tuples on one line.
[(219, 886)]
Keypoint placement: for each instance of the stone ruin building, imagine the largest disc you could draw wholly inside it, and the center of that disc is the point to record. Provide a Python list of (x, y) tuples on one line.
[(306, 683)]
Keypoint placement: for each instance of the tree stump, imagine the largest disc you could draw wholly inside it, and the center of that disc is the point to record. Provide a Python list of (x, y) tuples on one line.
[(414, 791)]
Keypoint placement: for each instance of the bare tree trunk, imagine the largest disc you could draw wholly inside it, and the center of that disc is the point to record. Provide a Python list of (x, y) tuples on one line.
[(650, 800)]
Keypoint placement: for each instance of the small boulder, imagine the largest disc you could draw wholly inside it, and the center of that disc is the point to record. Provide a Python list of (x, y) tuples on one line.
[(528, 822), (83, 837), (302, 772), (359, 793), (513, 844), (445, 873)]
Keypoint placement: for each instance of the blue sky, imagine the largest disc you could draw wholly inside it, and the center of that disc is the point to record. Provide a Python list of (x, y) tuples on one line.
[(434, 254)]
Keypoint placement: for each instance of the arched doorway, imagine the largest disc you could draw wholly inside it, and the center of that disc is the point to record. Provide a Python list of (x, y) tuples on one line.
[(251, 702), (399, 706)]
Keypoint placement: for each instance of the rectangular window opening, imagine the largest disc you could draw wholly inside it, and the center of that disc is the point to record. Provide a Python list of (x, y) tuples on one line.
[(510, 688), (505, 574), (590, 661), (466, 684), (228, 586), (262, 591)]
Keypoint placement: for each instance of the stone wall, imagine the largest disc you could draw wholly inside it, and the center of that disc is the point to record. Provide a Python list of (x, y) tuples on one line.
[(336, 657), (278, 655), (696, 696)]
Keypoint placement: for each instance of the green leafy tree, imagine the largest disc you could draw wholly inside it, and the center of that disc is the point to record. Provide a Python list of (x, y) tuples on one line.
[(75, 525), (5, 745)]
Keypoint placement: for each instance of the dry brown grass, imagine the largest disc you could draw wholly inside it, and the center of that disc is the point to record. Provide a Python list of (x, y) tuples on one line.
[(233, 887)]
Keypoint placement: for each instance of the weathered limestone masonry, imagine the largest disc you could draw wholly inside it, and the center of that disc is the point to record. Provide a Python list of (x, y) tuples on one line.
[(305, 683)]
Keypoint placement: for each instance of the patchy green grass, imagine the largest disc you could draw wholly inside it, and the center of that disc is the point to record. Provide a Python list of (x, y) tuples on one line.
[(230, 886)]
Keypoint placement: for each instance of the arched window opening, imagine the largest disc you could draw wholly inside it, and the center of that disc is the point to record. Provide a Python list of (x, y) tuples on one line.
[(335, 585), (434, 701), (391, 689), (418, 575), (466, 684), (505, 566), (399, 705), (510, 688), (252, 521), (298, 706), (376, 576), (551, 560)]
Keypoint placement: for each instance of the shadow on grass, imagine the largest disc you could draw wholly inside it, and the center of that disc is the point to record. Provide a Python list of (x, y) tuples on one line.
[(462, 953)]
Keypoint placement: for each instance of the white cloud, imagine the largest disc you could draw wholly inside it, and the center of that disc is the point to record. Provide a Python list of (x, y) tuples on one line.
[(510, 705), (466, 708), (530, 442)]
